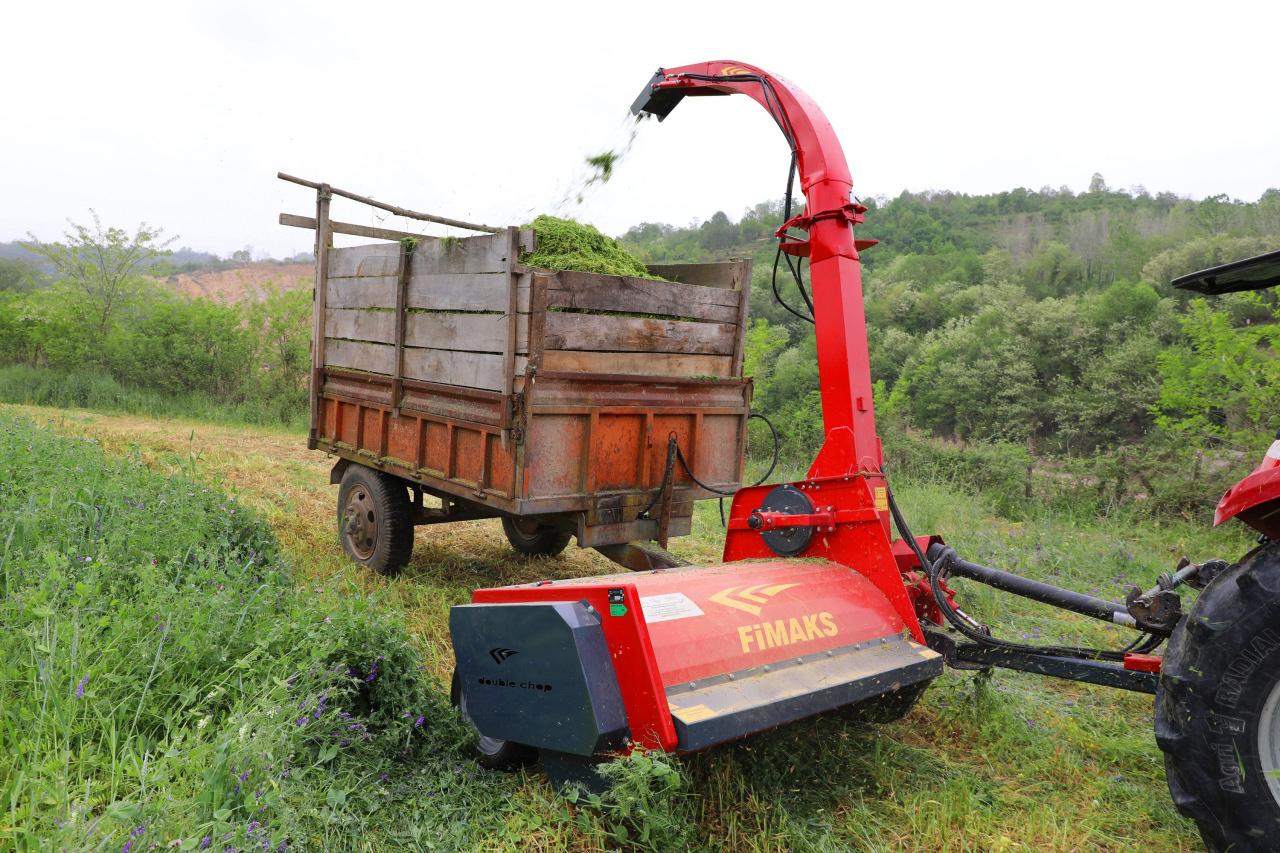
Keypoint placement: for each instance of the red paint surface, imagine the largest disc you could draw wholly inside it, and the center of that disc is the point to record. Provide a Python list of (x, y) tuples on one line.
[(1142, 663), (1255, 500), (831, 607)]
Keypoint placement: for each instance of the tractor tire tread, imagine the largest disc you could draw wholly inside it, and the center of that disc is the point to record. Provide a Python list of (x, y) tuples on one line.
[(1231, 812)]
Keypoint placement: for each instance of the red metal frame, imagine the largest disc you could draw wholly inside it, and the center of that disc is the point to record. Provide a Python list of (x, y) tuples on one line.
[(821, 606), (844, 369), (1255, 500)]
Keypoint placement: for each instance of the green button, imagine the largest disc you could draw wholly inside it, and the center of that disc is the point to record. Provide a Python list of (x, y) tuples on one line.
[(617, 610)]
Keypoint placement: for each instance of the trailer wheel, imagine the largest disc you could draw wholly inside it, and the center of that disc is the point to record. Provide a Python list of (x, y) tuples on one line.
[(491, 753), (533, 539), (1218, 707), (374, 524)]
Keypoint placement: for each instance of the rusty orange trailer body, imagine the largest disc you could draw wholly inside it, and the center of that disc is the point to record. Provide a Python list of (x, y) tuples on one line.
[(508, 390)]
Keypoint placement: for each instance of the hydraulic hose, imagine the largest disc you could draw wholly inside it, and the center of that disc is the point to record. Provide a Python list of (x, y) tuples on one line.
[(973, 630), (946, 560)]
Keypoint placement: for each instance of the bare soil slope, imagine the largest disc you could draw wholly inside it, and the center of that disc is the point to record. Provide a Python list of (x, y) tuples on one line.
[(251, 281)]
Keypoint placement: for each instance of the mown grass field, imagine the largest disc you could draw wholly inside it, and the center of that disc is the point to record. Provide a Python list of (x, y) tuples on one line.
[(197, 657)]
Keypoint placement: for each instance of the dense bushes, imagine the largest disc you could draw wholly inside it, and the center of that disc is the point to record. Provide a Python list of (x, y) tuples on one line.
[(159, 354), (1039, 327)]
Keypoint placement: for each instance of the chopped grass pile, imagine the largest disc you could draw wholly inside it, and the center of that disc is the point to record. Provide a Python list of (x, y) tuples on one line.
[(564, 244)]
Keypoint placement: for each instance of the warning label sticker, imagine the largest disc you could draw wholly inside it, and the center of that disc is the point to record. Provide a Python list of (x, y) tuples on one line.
[(668, 606)]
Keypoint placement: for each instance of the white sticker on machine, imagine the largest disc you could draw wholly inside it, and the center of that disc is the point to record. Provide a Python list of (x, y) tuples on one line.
[(668, 606)]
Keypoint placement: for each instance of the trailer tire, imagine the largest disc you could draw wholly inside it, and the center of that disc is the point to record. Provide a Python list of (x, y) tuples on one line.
[(541, 541), (374, 522), (491, 752), (1217, 710)]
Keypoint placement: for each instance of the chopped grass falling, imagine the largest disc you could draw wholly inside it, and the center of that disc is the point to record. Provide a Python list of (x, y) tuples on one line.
[(564, 244)]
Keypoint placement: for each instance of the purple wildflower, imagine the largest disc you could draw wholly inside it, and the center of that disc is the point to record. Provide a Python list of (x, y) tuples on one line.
[(244, 776), (282, 846), (84, 682), (205, 842), (128, 845), (383, 777), (418, 722), (301, 721), (141, 828), (252, 828)]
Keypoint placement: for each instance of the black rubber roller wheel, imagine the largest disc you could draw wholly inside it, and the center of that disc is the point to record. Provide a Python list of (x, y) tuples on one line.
[(491, 752), (1218, 708), (374, 522), (533, 539)]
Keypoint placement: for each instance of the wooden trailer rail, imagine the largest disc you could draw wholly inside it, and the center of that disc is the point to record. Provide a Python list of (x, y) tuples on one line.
[(451, 364)]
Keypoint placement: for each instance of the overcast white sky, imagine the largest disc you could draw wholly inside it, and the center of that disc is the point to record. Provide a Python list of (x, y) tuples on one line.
[(180, 113)]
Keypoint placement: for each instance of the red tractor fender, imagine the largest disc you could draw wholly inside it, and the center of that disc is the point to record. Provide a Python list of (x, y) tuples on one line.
[(1255, 500)]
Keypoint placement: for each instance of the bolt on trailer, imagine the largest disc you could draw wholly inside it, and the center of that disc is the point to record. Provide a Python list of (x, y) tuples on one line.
[(446, 368)]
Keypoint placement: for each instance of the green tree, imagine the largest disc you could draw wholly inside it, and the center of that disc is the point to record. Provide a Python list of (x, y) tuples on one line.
[(1221, 381), (102, 266)]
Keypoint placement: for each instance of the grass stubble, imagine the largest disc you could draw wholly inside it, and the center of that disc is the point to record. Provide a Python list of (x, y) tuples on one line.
[(999, 761)]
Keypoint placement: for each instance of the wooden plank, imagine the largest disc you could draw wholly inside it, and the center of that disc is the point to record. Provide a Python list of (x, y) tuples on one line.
[(402, 286), (726, 274), (444, 330), (465, 332), (467, 369), (590, 292), (375, 259), (398, 211), (513, 323), (637, 364), (537, 320), (376, 292), (744, 303), (466, 292), (487, 254), (324, 239), (600, 333), (446, 292), (373, 326), (358, 355), (351, 228)]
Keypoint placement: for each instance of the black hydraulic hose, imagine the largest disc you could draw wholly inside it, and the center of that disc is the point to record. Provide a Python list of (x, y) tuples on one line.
[(1087, 605), (684, 463), (965, 625)]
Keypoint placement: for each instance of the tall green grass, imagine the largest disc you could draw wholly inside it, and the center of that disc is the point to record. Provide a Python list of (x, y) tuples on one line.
[(87, 389), (166, 682)]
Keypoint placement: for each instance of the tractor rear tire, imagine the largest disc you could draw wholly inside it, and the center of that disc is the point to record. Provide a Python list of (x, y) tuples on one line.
[(1218, 707), (533, 539), (374, 521), (491, 753)]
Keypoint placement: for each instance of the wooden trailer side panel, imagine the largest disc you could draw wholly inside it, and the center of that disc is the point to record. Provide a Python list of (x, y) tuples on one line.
[(421, 350), (528, 391)]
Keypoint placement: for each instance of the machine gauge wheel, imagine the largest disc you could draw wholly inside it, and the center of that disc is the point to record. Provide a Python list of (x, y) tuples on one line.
[(787, 541), (491, 752), (533, 539)]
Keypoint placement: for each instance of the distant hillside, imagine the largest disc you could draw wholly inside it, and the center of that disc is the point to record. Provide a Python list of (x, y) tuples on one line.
[(250, 281)]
